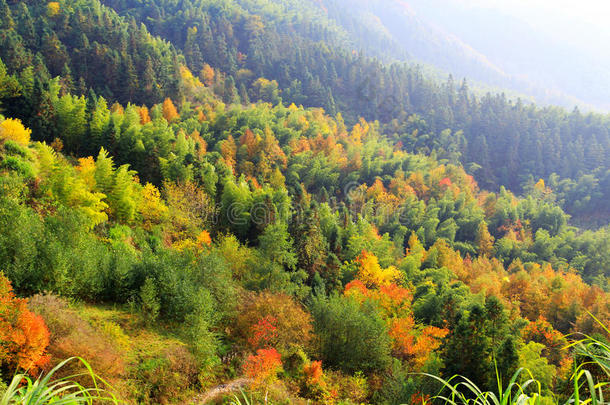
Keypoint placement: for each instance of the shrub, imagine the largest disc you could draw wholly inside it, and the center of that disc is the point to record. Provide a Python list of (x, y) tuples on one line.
[(23, 335), (18, 165), (350, 389), (163, 378), (149, 302), (350, 336), (180, 277), (263, 366), (273, 320), (15, 148), (13, 130), (197, 328)]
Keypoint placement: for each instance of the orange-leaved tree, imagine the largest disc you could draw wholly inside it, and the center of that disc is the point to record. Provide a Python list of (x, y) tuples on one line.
[(413, 342), (23, 335), (169, 110), (273, 320)]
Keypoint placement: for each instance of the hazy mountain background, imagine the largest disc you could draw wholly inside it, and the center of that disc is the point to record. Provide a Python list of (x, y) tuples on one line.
[(533, 48)]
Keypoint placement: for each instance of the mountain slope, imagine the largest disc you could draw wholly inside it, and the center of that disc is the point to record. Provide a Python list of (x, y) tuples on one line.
[(91, 47), (219, 230), (313, 62), (484, 44)]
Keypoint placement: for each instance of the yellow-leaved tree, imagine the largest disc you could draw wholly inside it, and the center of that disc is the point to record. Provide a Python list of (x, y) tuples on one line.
[(53, 8), (151, 207), (13, 130), (169, 110), (372, 274)]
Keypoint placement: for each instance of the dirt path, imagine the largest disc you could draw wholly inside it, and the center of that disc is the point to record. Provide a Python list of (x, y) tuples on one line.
[(218, 390)]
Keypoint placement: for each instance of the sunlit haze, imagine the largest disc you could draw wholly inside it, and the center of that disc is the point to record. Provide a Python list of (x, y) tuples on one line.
[(575, 21)]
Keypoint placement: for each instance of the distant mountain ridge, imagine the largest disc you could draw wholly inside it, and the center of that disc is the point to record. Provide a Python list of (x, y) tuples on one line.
[(481, 44)]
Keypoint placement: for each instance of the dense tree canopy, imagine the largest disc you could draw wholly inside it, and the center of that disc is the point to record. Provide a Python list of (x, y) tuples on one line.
[(312, 219)]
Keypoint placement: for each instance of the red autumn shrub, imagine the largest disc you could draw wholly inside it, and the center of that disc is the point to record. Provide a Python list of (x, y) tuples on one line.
[(263, 366), (313, 385), (263, 333), (313, 371)]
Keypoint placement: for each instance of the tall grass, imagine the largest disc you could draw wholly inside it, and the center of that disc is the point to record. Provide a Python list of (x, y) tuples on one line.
[(238, 401), (462, 391), (62, 391), (597, 351), (459, 390)]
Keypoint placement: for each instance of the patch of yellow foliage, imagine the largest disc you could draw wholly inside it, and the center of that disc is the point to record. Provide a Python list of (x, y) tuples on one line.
[(372, 274), (151, 207), (13, 130), (189, 79), (53, 8)]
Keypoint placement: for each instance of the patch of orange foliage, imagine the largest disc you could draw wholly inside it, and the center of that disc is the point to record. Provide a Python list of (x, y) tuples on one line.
[(263, 366), (169, 110), (313, 371), (419, 398), (144, 115), (228, 150), (412, 343), (446, 182), (204, 239), (24, 336), (541, 331)]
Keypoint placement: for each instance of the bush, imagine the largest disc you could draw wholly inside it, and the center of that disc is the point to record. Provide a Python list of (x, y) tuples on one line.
[(57, 253), (166, 377), (197, 329), (21, 230), (14, 148), (273, 320), (149, 303), (23, 335), (18, 165), (351, 337)]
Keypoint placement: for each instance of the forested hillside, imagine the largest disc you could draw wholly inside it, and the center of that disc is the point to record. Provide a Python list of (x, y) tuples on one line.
[(502, 142), (201, 192)]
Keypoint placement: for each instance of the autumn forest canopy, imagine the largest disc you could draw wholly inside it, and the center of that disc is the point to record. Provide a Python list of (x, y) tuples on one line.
[(199, 197)]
